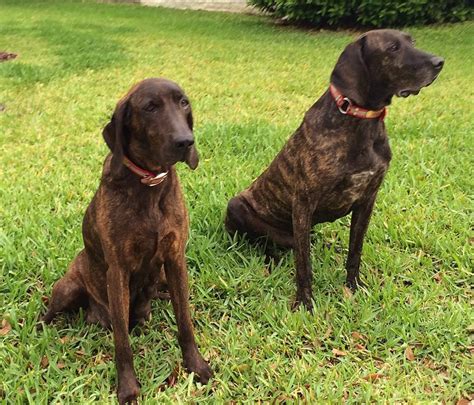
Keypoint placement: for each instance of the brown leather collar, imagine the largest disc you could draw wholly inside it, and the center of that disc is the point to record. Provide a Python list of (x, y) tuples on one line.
[(148, 178), (347, 107)]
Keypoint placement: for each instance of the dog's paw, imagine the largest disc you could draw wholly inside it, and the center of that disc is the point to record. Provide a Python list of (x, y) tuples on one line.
[(307, 304), (355, 283), (303, 298), (128, 391), (44, 320), (200, 368)]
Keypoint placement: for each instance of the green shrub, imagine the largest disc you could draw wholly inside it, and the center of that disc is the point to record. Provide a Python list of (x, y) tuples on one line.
[(368, 13)]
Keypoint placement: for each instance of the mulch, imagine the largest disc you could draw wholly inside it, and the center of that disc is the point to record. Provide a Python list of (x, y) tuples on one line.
[(4, 56)]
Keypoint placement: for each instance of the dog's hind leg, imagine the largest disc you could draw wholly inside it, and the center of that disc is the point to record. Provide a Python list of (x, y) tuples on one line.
[(68, 293), (241, 219)]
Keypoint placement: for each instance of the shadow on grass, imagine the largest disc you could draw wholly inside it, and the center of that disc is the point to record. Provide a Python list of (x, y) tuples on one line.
[(73, 49)]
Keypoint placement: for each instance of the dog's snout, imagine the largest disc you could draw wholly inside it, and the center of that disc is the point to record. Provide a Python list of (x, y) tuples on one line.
[(437, 62), (184, 143)]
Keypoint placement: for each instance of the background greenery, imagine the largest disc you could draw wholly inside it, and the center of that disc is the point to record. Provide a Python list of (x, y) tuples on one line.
[(250, 83), (368, 13)]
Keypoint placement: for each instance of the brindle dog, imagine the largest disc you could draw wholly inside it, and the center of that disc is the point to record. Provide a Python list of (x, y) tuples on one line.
[(335, 161), (135, 234)]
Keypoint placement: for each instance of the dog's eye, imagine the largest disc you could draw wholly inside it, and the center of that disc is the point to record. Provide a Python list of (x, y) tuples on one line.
[(184, 103), (151, 107), (394, 47)]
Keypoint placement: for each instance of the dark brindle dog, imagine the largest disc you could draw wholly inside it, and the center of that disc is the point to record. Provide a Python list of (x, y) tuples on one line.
[(136, 227), (335, 161)]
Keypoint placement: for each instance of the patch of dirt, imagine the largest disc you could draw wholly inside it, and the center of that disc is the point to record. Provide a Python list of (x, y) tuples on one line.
[(4, 56)]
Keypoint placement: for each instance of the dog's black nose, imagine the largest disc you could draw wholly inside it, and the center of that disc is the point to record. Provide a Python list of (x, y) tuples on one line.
[(184, 143), (437, 62)]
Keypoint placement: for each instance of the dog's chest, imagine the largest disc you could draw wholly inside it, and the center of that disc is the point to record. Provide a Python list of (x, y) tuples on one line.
[(353, 187)]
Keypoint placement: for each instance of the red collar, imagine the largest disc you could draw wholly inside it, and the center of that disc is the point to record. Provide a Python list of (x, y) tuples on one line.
[(347, 107), (148, 178)]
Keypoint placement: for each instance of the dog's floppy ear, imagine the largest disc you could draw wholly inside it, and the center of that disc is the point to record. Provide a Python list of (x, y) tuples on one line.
[(114, 134), (192, 155), (351, 76)]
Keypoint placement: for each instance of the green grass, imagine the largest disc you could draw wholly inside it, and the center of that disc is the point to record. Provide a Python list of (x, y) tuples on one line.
[(250, 83)]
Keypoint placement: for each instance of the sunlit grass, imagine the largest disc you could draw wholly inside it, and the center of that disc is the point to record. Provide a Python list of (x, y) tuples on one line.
[(250, 84)]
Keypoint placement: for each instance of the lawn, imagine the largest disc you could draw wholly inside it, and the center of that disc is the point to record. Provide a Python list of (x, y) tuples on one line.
[(403, 339)]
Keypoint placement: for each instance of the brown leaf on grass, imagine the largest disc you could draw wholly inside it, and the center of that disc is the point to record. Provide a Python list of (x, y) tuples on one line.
[(64, 339), (347, 292), (409, 355), (6, 327), (44, 362), (328, 333), (173, 377), (429, 364), (80, 352), (437, 277), (417, 344), (358, 346), (171, 380), (60, 365), (357, 336), (102, 358), (45, 299), (339, 353), (345, 395), (373, 377), (443, 374), (463, 401)]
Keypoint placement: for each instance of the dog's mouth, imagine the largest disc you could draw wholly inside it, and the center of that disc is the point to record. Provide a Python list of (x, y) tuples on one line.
[(408, 92)]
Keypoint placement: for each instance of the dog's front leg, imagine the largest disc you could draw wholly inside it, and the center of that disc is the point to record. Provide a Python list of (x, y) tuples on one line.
[(302, 211), (118, 291), (359, 224), (177, 277)]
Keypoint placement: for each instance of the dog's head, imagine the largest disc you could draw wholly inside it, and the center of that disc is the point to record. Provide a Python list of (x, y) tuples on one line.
[(153, 126), (381, 64)]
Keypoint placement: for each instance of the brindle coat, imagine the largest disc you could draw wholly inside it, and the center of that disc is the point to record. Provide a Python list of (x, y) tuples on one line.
[(334, 163), (133, 234)]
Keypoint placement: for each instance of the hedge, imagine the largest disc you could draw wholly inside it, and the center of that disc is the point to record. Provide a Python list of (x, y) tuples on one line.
[(368, 13)]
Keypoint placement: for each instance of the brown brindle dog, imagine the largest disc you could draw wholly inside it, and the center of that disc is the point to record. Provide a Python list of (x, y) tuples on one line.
[(136, 227), (335, 161)]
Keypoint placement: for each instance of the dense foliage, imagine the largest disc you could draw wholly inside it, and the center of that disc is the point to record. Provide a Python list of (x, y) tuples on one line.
[(368, 13)]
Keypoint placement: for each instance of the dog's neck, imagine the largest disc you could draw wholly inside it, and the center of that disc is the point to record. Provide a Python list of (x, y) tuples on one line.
[(147, 178), (347, 106), (135, 177)]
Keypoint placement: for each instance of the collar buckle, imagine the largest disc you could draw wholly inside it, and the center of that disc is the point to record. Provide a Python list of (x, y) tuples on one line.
[(148, 178), (345, 105), (154, 181)]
